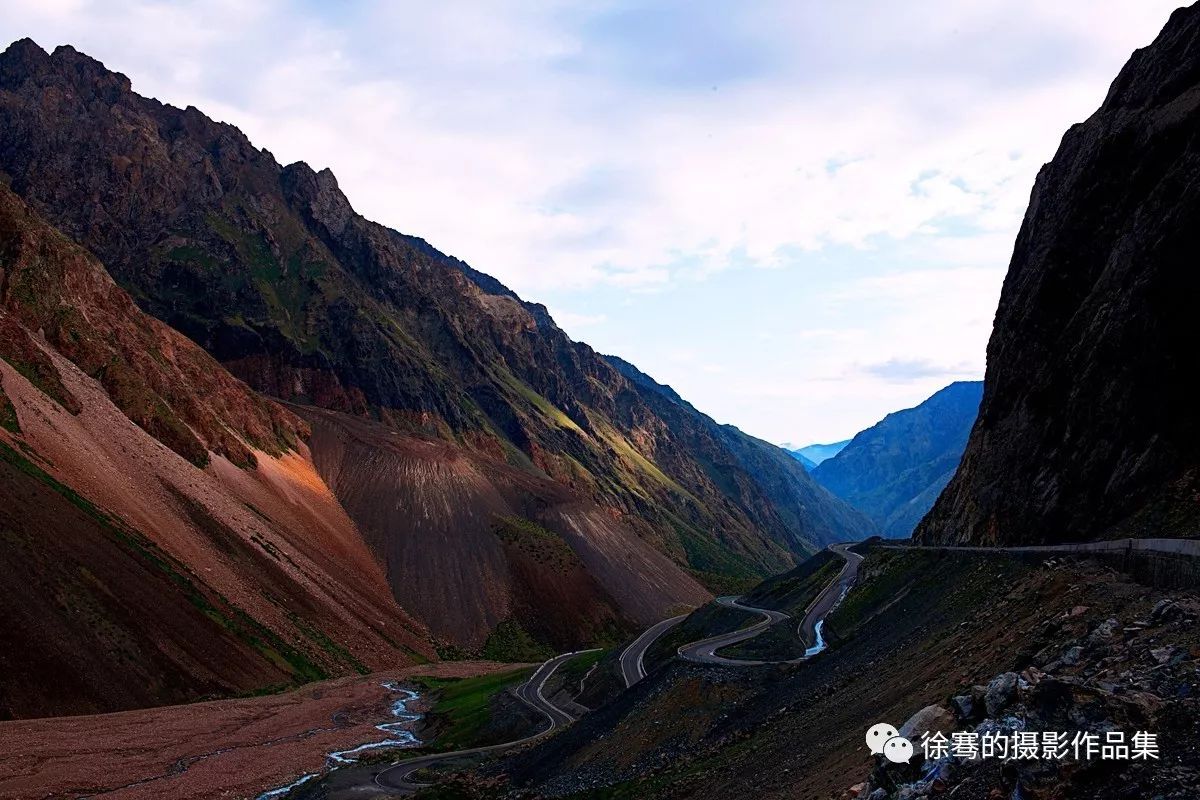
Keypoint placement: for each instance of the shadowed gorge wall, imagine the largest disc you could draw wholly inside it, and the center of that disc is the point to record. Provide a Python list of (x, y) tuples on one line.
[(1084, 430)]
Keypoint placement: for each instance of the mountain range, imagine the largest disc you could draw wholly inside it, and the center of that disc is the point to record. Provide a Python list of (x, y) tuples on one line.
[(247, 349), (895, 470)]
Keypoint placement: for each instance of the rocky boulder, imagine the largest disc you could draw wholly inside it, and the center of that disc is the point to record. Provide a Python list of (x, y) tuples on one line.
[(1000, 692), (930, 719)]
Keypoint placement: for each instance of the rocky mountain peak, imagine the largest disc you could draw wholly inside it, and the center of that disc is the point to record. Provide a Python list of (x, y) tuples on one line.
[(1161, 72), (317, 197), (66, 67), (22, 59), (25, 53)]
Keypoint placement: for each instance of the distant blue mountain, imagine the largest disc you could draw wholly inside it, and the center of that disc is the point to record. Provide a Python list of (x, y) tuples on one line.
[(895, 470), (804, 460), (814, 454)]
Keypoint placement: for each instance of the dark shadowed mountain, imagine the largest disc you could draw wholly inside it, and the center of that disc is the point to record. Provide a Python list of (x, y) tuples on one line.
[(494, 466), (1085, 431), (895, 470)]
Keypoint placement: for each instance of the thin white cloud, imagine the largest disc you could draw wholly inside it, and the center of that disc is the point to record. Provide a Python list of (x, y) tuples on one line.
[(571, 321), (909, 370), (475, 120), (570, 149)]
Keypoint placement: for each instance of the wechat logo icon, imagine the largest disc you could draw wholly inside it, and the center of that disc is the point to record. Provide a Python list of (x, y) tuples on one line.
[(885, 740)]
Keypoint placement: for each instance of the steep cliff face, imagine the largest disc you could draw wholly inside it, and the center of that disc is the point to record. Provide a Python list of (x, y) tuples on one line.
[(1085, 430), (894, 470), (164, 535), (270, 269)]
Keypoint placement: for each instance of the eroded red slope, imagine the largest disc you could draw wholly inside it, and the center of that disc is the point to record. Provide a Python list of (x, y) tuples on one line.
[(481, 543), (160, 521)]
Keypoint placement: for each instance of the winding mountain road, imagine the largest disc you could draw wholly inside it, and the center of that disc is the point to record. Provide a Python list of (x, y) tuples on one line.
[(397, 779), (1182, 547), (831, 595), (633, 667), (705, 651)]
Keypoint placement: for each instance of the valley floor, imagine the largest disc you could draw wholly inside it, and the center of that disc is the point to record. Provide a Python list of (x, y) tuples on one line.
[(923, 636), (223, 748)]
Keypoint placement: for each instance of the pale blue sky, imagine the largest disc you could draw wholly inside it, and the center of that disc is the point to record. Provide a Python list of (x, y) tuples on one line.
[(796, 213)]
